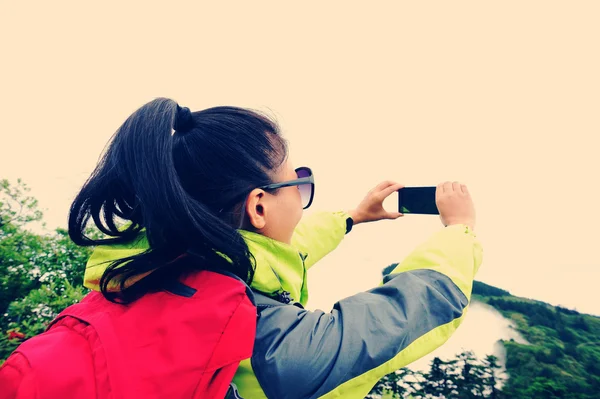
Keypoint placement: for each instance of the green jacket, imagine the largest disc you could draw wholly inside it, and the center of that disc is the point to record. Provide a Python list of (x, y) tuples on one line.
[(342, 353)]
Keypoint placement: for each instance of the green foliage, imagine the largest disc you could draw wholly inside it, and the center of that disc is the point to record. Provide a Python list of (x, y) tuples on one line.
[(28, 261), (544, 388), (32, 314), (39, 274), (562, 360), (442, 378), (394, 385), (484, 289), (17, 276), (463, 377), (537, 313), (566, 311), (16, 207), (17, 245)]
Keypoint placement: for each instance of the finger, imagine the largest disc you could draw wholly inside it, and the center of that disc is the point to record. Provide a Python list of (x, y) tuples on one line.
[(442, 187), (379, 187), (447, 187), (456, 187), (464, 189), (388, 191), (383, 185), (438, 192)]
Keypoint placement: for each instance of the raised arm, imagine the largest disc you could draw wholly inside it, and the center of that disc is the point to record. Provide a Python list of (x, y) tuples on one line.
[(343, 353), (319, 234)]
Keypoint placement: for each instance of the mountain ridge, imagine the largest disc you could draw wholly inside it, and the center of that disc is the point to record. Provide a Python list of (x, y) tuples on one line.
[(559, 358), (562, 358)]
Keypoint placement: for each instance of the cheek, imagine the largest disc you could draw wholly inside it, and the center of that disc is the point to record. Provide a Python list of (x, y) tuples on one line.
[(298, 198), (298, 208), (294, 207)]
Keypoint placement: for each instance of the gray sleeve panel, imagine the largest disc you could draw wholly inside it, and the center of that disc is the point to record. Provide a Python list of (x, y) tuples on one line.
[(306, 354)]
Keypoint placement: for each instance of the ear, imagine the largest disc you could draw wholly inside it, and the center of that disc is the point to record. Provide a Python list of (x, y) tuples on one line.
[(255, 209)]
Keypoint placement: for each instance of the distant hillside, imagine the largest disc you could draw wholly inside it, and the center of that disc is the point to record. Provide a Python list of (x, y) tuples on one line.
[(561, 361), (484, 289)]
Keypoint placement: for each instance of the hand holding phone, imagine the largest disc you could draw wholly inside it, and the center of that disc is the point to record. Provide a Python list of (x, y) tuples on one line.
[(455, 204), (450, 200), (419, 200)]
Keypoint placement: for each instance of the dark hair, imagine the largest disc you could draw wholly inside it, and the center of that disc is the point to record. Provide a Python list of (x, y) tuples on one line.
[(173, 186)]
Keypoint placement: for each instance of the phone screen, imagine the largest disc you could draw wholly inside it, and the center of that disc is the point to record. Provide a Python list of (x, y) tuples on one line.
[(419, 200)]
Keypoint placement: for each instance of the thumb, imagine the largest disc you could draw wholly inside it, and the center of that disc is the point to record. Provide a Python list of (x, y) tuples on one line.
[(394, 215)]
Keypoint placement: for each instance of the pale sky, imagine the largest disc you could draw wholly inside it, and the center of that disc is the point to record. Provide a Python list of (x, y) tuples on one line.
[(502, 96)]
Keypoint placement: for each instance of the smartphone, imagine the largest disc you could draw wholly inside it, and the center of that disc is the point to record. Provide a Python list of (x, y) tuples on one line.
[(419, 200)]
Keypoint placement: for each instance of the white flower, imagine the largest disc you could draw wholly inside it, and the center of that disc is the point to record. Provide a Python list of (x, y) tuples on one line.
[(45, 277), (47, 312), (42, 310), (35, 272), (38, 308)]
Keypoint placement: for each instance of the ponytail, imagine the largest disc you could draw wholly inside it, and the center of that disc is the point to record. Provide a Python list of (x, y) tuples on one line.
[(137, 186)]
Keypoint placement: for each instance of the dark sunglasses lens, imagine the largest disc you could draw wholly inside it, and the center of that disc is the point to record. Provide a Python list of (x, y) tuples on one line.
[(305, 189)]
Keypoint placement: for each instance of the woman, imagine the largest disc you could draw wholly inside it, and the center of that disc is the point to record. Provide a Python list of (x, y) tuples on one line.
[(178, 192)]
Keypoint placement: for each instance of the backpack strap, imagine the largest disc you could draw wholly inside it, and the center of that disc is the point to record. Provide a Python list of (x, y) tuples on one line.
[(116, 363), (176, 287)]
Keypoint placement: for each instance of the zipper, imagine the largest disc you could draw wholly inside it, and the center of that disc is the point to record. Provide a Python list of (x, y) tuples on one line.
[(283, 296)]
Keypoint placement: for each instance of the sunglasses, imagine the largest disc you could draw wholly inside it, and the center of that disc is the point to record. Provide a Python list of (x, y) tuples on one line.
[(305, 183)]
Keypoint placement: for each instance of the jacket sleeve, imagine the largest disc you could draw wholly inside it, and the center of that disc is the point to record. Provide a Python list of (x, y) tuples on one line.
[(319, 234), (312, 354)]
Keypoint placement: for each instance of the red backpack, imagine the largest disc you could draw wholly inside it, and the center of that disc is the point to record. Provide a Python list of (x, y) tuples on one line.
[(184, 342)]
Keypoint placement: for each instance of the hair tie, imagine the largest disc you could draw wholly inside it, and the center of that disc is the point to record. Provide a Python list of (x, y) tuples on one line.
[(184, 121)]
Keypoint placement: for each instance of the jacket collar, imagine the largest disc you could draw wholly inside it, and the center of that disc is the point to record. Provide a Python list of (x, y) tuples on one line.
[(279, 266)]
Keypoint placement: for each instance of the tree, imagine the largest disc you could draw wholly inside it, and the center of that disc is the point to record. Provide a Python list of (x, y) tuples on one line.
[(383, 385), (395, 385), (463, 377), (17, 245), (470, 382), (404, 382), (484, 289), (31, 315), (491, 378), (441, 379), (543, 388), (567, 335), (581, 324), (16, 207), (39, 274)]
